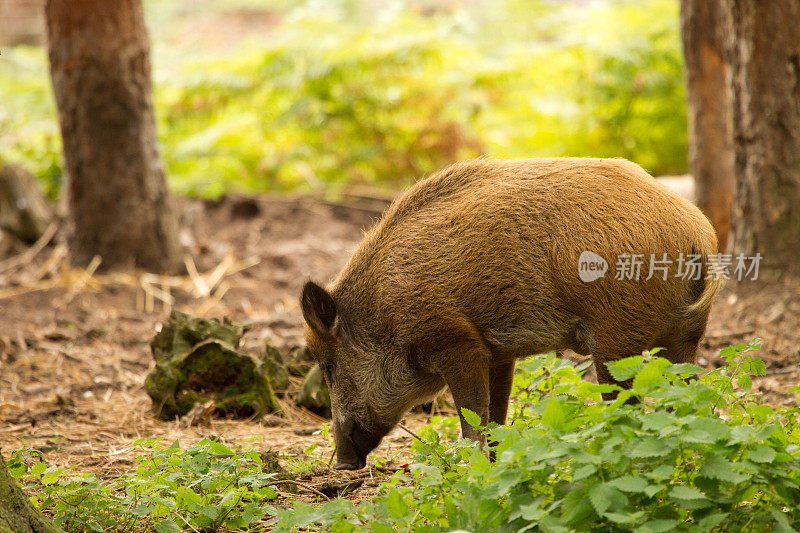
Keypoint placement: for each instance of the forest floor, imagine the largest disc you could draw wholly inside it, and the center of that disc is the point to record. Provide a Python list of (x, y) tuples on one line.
[(74, 344)]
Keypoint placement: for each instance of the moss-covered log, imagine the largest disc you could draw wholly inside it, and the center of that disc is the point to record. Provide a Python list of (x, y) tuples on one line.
[(197, 361)]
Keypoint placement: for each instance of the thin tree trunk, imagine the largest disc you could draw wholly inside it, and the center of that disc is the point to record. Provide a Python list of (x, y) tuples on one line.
[(711, 154), (17, 515), (765, 44), (100, 67)]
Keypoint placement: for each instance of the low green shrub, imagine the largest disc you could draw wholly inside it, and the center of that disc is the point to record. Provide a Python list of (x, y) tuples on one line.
[(693, 455), (696, 452), (203, 487)]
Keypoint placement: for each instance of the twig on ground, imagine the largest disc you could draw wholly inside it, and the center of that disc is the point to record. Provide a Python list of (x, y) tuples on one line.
[(28, 255), (84, 278), (303, 486), (201, 288), (12, 429), (401, 426)]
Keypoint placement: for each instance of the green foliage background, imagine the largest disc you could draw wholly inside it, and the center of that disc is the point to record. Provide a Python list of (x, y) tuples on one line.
[(338, 94)]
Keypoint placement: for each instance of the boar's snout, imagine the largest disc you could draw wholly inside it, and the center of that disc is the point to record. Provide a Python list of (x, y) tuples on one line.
[(353, 443)]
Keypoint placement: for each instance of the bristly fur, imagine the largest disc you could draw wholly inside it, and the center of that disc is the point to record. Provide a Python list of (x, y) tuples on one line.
[(477, 265)]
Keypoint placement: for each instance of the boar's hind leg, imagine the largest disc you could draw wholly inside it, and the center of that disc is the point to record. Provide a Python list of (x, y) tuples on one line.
[(604, 376), (466, 372), (681, 345), (501, 376)]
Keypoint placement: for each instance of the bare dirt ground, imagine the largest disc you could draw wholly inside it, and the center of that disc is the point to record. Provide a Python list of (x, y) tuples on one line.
[(74, 345)]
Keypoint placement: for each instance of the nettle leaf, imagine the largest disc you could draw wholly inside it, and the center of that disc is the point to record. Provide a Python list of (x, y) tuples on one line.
[(709, 522), (697, 436), (649, 447), (652, 490), (302, 514), (51, 475), (625, 369), (167, 526), (715, 429), (586, 389), (657, 420), (479, 463), (531, 512), (395, 504), (741, 434), (553, 415), (682, 492), (219, 448), (717, 467), (629, 483), (605, 497), (17, 468), (230, 498), (762, 454), (489, 511), (687, 369), (576, 507), (252, 512), (620, 518), (659, 526), (649, 376), (622, 397), (761, 413), (142, 510), (211, 511), (335, 508), (583, 472), (506, 480), (471, 417)]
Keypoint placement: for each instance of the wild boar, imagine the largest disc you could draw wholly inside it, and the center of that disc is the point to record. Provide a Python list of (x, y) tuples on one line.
[(478, 265)]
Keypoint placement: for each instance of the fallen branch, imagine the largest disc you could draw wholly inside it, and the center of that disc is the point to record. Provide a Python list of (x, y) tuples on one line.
[(302, 486), (28, 255)]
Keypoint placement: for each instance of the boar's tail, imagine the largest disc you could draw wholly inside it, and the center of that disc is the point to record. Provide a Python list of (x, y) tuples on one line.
[(703, 290)]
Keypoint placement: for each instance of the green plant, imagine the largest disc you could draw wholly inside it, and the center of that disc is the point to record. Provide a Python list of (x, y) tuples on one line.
[(690, 456), (206, 486), (697, 452)]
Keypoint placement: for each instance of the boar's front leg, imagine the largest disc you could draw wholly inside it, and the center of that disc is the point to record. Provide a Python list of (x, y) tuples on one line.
[(501, 377), (465, 369)]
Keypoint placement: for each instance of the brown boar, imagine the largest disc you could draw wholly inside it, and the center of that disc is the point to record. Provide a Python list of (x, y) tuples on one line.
[(478, 265)]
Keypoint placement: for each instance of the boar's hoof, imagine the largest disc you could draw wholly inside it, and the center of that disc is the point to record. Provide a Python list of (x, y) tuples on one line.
[(350, 466)]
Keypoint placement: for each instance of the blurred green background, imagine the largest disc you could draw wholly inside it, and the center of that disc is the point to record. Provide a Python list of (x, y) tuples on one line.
[(317, 95)]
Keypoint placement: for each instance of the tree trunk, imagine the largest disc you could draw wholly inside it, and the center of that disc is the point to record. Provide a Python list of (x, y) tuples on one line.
[(118, 200), (765, 44), (711, 154), (17, 515)]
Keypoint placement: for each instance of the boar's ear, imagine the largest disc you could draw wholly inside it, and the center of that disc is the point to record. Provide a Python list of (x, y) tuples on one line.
[(319, 309)]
